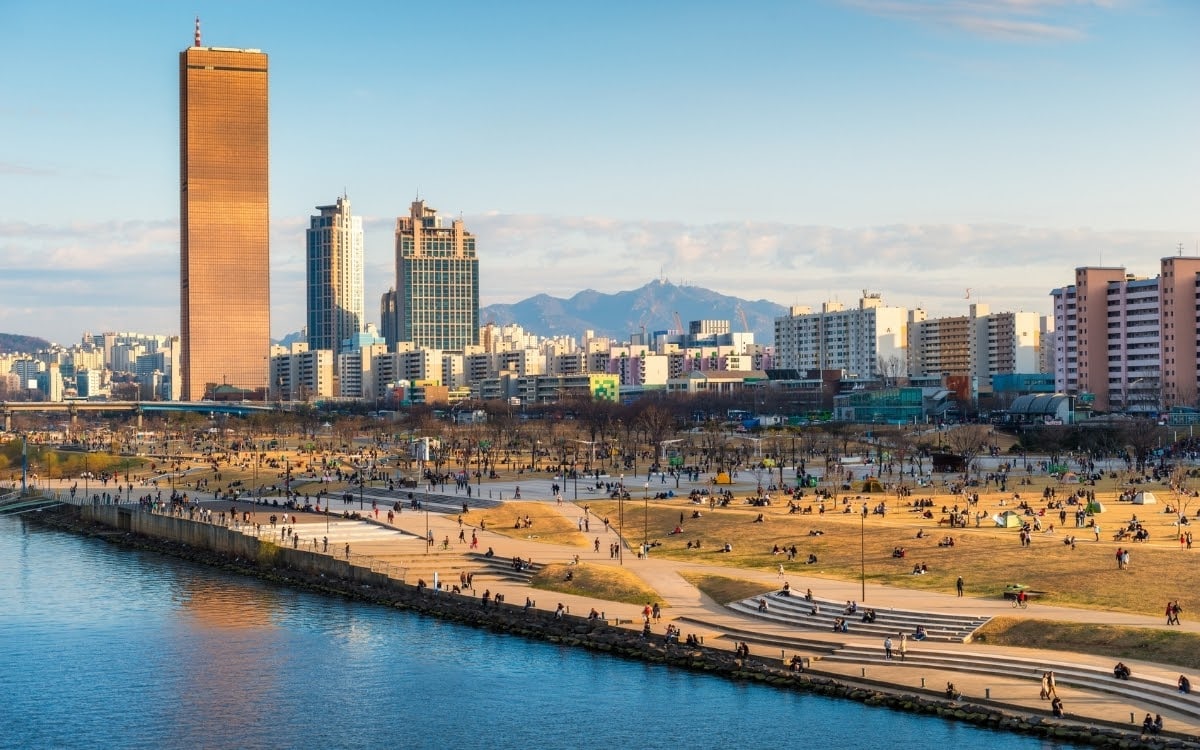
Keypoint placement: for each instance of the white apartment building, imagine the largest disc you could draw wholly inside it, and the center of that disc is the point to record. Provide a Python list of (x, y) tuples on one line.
[(856, 340), (298, 374)]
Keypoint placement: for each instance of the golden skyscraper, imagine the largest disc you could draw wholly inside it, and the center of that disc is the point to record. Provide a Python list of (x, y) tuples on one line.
[(225, 304)]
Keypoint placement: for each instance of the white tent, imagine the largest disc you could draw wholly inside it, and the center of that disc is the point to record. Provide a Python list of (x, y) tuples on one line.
[(1145, 498)]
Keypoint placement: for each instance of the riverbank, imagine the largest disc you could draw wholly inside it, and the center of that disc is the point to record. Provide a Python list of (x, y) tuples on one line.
[(326, 575)]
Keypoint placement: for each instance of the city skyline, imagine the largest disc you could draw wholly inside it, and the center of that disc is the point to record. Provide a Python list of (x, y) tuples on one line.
[(794, 153)]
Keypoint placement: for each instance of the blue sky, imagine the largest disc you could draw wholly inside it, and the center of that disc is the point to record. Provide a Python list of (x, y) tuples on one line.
[(793, 151)]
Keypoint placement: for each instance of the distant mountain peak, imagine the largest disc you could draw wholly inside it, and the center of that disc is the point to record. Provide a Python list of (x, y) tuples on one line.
[(652, 306)]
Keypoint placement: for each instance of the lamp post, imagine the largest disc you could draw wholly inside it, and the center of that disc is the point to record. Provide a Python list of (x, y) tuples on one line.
[(646, 520), (862, 550), (621, 521), (361, 480)]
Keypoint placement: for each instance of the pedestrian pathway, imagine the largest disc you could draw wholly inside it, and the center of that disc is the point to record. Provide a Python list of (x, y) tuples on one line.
[(850, 657)]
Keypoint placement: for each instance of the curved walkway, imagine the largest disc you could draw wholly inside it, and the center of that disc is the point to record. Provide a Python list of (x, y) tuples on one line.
[(1003, 676)]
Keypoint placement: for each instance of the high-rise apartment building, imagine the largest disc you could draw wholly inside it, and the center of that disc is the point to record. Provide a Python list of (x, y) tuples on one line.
[(867, 341), (335, 276), (225, 305), (436, 300), (975, 346), (1128, 343)]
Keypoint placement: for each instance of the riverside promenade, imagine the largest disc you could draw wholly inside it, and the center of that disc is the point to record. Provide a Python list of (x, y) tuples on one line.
[(1007, 678), (1001, 676)]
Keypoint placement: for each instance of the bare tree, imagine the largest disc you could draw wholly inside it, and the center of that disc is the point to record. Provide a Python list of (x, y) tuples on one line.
[(968, 441), (889, 368), (657, 423), (1142, 436)]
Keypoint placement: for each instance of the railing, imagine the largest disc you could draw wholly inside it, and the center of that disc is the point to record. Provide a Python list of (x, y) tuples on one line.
[(275, 535)]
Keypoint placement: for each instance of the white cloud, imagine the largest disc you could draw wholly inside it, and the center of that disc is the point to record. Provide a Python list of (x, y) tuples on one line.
[(59, 280), (1005, 20)]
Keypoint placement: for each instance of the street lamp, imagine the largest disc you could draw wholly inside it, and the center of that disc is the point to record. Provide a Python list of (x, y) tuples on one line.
[(646, 520), (361, 481), (621, 521), (862, 550)]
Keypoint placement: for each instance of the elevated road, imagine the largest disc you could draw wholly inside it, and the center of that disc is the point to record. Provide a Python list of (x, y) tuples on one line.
[(75, 408)]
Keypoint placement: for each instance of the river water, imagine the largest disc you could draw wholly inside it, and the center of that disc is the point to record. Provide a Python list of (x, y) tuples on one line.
[(101, 647)]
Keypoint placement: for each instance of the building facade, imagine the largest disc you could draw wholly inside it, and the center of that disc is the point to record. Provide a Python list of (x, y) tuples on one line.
[(334, 269), (1128, 343), (867, 341), (225, 300), (977, 346), (436, 302)]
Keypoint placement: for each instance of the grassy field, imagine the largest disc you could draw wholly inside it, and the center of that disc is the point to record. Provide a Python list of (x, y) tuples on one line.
[(596, 581), (548, 525), (725, 590), (988, 558), (1163, 646)]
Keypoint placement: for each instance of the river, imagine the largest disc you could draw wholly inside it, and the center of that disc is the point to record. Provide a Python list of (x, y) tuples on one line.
[(102, 647)]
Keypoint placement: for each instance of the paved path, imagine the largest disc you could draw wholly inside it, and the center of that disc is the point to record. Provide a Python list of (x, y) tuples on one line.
[(696, 613)]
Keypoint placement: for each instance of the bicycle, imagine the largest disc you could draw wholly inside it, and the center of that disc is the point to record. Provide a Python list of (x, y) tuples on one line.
[(1019, 602)]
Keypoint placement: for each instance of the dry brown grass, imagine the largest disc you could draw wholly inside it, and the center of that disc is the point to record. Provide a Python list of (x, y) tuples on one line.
[(1162, 646), (725, 590), (988, 558), (549, 526), (597, 582)]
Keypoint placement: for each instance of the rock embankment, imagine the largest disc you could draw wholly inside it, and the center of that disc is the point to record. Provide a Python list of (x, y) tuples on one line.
[(601, 636)]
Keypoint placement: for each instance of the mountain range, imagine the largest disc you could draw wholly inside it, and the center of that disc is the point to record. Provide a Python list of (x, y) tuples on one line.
[(652, 307), (15, 343)]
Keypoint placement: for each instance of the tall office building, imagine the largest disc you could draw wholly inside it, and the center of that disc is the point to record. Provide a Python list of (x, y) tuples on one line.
[(335, 276), (225, 303), (436, 300)]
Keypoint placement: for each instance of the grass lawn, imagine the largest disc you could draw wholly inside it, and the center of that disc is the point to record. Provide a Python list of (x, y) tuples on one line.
[(725, 590), (596, 581), (548, 525), (1163, 646), (987, 558)]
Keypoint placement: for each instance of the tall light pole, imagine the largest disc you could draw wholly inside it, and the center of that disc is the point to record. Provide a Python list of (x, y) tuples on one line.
[(621, 521), (361, 481), (862, 550)]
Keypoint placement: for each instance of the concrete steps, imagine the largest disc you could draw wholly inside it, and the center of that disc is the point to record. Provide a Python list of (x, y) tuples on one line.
[(796, 611), (1155, 694)]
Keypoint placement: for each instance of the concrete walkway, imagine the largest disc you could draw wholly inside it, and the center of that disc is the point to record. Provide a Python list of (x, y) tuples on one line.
[(718, 625)]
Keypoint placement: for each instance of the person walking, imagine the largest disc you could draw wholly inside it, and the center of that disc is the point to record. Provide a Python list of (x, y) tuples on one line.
[(958, 585), (1051, 687), (1045, 692), (887, 648)]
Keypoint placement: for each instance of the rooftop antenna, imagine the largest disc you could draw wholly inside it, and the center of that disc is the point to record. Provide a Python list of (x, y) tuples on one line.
[(197, 31), (1180, 249)]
